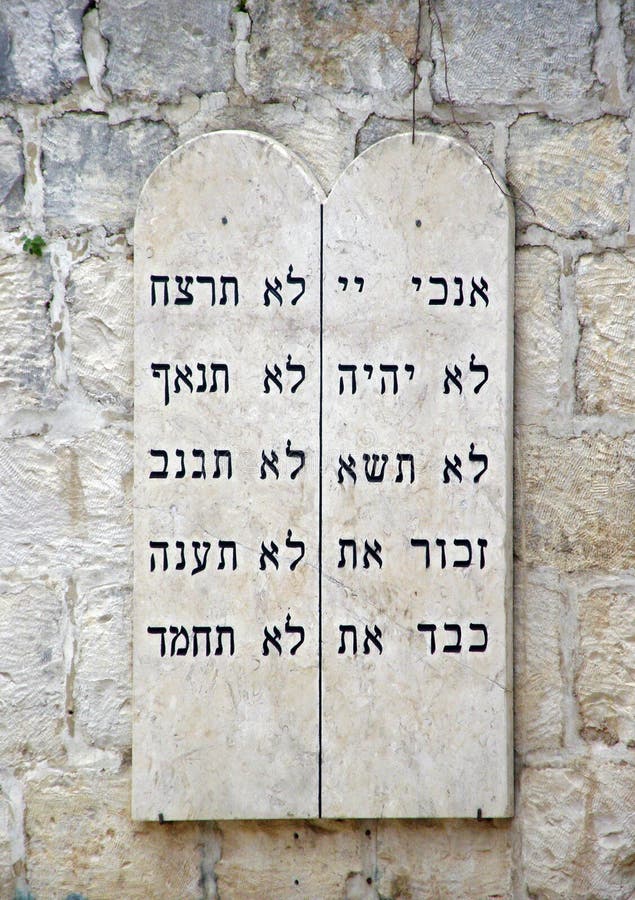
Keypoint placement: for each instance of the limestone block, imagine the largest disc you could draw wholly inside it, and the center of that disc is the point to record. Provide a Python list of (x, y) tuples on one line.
[(94, 171), (100, 296), (628, 24), (11, 172), (40, 48), (574, 176), (284, 860), (33, 675), (575, 501), (480, 137), (605, 287), (80, 839), (609, 848), (514, 52), (443, 859), (604, 680), (538, 682), (6, 861), (538, 338), (26, 340), (159, 48)]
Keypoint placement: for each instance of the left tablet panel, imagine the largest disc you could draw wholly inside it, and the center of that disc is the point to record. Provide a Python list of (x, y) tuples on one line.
[(226, 533)]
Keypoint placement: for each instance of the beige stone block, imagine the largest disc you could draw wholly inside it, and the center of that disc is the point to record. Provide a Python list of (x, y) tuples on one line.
[(538, 337), (605, 289), (574, 176), (7, 879), (575, 501), (480, 137), (611, 833), (100, 294), (427, 860), (80, 839), (606, 672), (288, 860)]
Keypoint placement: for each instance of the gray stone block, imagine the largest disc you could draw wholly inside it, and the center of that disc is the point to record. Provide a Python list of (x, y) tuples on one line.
[(11, 173)]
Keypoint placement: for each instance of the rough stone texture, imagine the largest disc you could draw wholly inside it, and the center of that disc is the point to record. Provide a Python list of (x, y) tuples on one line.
[(514, 53), (94, 171), (100, 297), (40, 48), (480, 137), (606, 672), (27, 372), (628, 22), (7, 880), (11, 173), (80, 839), (574, 176), (538, 336), (605, 287), (200, 41)]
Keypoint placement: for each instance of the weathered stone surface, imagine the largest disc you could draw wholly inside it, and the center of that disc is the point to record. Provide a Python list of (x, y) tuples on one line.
[(575, 501), (449, 859), (11, 173), (80, 839), (26, 341), (480, 137), (94, 171), (100, 296), (628, 24), (159, 48), (40, 48), (33, 672), (605, 287), (288, 861), (574, 176), (606, 672), (7, 879), (514, 52), (537, 336)]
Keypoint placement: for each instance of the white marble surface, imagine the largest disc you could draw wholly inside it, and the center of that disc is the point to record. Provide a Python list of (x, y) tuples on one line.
[(404, 732)]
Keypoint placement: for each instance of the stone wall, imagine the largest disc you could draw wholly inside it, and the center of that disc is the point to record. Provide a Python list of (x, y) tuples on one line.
[(92, 96)]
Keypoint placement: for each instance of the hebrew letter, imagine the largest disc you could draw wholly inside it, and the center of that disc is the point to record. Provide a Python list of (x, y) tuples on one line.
[(295, 279), (269, 463), (360, 281), (181, 454), (219, 367), (225, 280), (401, 459), (158, 629), (164, 456), (452, 468), (453, 648), (202, 387), (427, 628), (410, 369), (272, 291), (478, 648), (477, 367), (208, 279), (480, 458), (201, 629), (422, 542), (223, 454), (375, 553), (348, 368), (369, 370), (181, 563), (200, 564), (294, 629), (452, 379), (343, 281), (154, 280), (417, 282), (393, 369), (273, 639), (350, 629), (294, 545), (227, 545), (298, 454), (458, 301), (220, 631), (179, 633), (157, 368), (348, 467), (295, 367), (184, 376), (439, 301), (199, 454), (372, 474), (374, 639), (462, 563), (159, 545), (185, 297), (440, 542), (273, 377), (479, 292), (347, 543), (271, 554), (482, 544)]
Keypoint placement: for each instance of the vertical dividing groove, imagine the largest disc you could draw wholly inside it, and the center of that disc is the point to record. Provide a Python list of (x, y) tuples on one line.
[(320, 518)]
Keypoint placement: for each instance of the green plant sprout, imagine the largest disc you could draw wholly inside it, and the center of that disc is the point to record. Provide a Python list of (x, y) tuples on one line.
[(33, 245)]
